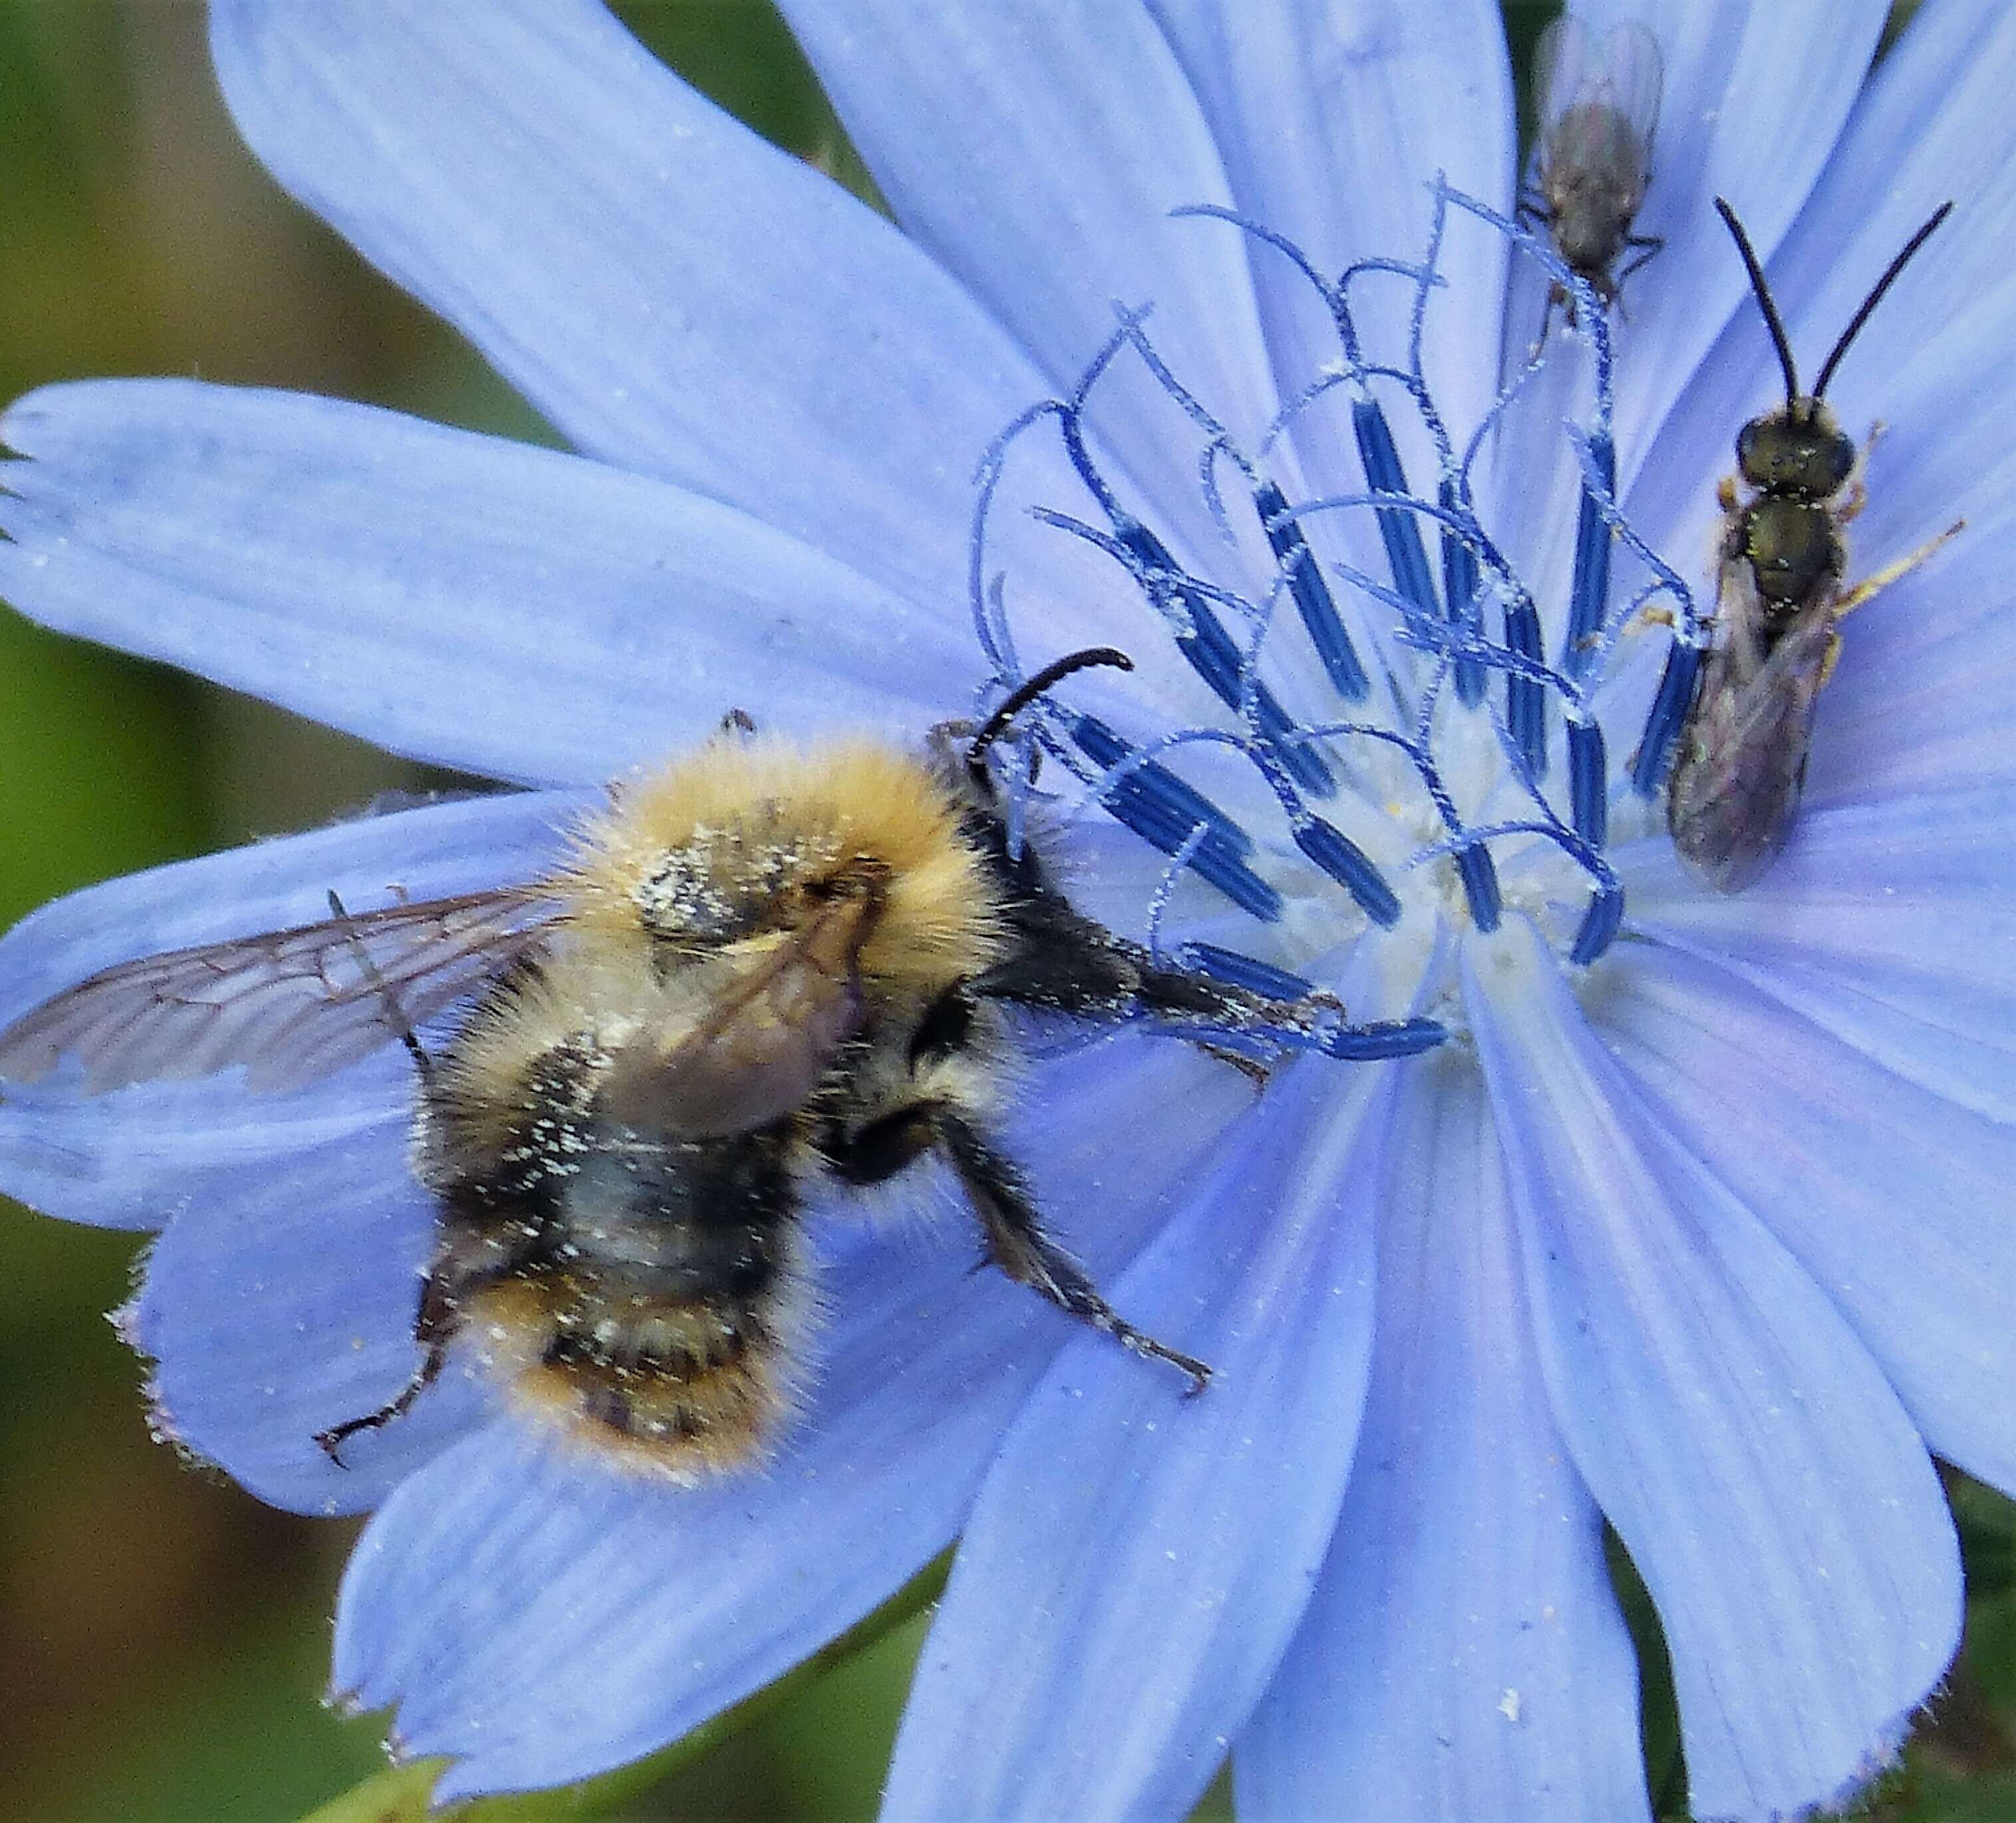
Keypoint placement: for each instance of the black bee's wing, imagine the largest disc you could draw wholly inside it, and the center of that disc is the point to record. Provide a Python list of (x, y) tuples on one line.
[(1736, 786), (773, 1022), (291, 1006)]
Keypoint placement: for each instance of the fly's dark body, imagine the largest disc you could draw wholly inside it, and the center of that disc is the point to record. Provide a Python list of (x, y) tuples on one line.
[(1598, 110)]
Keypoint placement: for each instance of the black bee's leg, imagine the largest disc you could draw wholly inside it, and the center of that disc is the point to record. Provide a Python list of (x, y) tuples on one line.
[(883, 1147), (1017, 1244), (1091, 976), (432, 1328)]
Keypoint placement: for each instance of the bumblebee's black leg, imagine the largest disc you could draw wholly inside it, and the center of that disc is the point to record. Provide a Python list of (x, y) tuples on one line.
[(1015, 1242), (883, 1148), (432, 1328), (1091, 976), (395, 1016)]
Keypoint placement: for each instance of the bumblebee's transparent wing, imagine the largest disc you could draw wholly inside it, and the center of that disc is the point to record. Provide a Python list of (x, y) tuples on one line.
[(291, 1006)]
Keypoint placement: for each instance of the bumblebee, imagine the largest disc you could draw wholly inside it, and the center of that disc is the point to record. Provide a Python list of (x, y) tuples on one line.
[(765, 970), (1741, 762)]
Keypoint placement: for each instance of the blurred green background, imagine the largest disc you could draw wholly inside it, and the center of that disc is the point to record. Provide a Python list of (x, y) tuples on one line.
[(163, 1638)]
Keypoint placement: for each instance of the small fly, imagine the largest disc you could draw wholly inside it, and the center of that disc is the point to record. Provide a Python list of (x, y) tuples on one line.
[(1598, 110), (1741, 762)]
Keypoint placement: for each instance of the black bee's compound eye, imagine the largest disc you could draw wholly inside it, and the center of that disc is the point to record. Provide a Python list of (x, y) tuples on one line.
[(1748, 460)]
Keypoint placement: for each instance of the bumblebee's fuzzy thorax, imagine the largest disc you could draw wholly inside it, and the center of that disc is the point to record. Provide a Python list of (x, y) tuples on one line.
[(718, 845), (764, 972)]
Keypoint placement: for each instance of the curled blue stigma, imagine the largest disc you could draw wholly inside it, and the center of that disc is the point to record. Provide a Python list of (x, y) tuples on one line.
[(1404, 656)]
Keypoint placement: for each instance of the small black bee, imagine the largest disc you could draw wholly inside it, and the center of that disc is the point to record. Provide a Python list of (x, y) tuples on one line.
[(1741, 762), (1599, 111), (764, 968)]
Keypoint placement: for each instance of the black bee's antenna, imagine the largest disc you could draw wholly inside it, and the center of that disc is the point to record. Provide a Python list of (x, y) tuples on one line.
[(395, 1014), (1876, 296), (1055, 672), (1772, 320)]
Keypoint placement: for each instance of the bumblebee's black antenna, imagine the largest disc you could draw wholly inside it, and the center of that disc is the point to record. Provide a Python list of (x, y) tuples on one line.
[(1055, 671), (1876, 296), (1772, 319)]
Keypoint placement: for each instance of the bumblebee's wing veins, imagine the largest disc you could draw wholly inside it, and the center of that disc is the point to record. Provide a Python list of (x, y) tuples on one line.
[(291, 1006)]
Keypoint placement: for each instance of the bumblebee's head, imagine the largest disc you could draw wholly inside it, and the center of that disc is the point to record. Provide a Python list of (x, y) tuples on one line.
[(1799, 452)]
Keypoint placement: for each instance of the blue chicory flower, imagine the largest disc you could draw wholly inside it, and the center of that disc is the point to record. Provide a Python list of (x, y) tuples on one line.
[(1696, 1223)]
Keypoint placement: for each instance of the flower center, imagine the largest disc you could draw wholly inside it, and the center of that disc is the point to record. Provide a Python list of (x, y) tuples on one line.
[(1378, 735)]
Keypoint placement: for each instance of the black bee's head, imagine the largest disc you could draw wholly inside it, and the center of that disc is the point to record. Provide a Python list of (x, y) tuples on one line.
[(1797, 452)]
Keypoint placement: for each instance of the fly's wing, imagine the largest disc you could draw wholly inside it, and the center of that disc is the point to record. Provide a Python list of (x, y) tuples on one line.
[(1630, 79), (1561, 60), (1742, 763), (292, 1006), (1599, 108), (775, 1019)]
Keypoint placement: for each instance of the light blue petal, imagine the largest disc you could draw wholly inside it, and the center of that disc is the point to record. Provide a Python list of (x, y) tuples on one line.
[(134, 1157), (1463, 1656), (280, 1302), (1892, 925), (1137, 1560), (472, 601), (542, 1619), (1755, 99), (1776, 1109), (1934, 124), (677, 296), (1036, 151), (1331, 117), (1760, 1471)]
